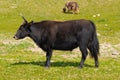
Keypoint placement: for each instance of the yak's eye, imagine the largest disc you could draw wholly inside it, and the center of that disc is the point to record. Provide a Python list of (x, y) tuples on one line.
[(22, 28)]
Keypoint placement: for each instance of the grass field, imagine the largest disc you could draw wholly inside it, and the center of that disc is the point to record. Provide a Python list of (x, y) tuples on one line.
[(22, 60)]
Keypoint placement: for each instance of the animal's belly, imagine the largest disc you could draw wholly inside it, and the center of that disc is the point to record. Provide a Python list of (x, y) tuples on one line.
[(67, 44)]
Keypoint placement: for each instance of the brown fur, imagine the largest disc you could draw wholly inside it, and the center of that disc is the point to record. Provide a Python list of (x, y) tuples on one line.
[(71, 6)]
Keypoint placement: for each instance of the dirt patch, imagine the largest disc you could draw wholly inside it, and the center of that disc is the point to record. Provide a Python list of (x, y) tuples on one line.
[(106, 50), (36, 49), (109, 50)]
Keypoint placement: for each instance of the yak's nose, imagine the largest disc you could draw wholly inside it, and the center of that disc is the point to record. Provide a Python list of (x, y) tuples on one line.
[(15, 37)]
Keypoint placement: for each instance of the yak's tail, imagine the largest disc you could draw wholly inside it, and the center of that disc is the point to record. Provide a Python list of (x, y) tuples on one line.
[(94, 43)]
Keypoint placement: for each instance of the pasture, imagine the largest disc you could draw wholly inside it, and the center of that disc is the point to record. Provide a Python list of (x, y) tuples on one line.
[(23, 60)]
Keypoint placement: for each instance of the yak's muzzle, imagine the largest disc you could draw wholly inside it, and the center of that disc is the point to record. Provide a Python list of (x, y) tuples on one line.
[(15, 37)]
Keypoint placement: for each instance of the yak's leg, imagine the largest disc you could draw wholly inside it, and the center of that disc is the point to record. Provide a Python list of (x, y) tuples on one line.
[(84, 51), (48, 58), (96, 60), (94, 54)]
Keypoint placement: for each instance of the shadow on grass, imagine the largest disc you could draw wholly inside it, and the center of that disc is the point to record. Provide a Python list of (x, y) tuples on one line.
[(53, 64), (70, 13)]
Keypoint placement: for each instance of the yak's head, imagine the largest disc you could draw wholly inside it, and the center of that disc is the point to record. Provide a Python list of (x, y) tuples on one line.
[(64, 9), (24, 30)]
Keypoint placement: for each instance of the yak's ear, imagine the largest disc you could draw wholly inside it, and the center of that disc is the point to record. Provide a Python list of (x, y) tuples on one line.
[(28, 27), (30, 23)]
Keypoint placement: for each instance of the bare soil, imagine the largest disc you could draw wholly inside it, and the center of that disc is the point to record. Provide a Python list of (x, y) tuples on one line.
[(106, 50)]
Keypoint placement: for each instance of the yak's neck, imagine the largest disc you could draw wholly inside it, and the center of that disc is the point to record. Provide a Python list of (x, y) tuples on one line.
[(35, 39)]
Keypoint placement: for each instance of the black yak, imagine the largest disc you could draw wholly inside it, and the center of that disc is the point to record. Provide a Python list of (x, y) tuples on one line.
[(67, 35)]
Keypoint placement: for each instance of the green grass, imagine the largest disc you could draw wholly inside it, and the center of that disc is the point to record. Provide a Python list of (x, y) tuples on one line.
[(29, 66), (107, 23), (18, 62)]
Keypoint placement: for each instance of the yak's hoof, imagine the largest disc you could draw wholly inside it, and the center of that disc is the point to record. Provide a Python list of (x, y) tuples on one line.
[(47, 67), (80, 67), (96, 66)]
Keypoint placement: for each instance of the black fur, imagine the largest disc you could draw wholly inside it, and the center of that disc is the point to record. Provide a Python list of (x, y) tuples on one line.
[(67, 35)]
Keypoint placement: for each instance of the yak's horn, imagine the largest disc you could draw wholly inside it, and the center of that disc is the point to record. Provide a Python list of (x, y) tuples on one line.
[(23, 18)]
